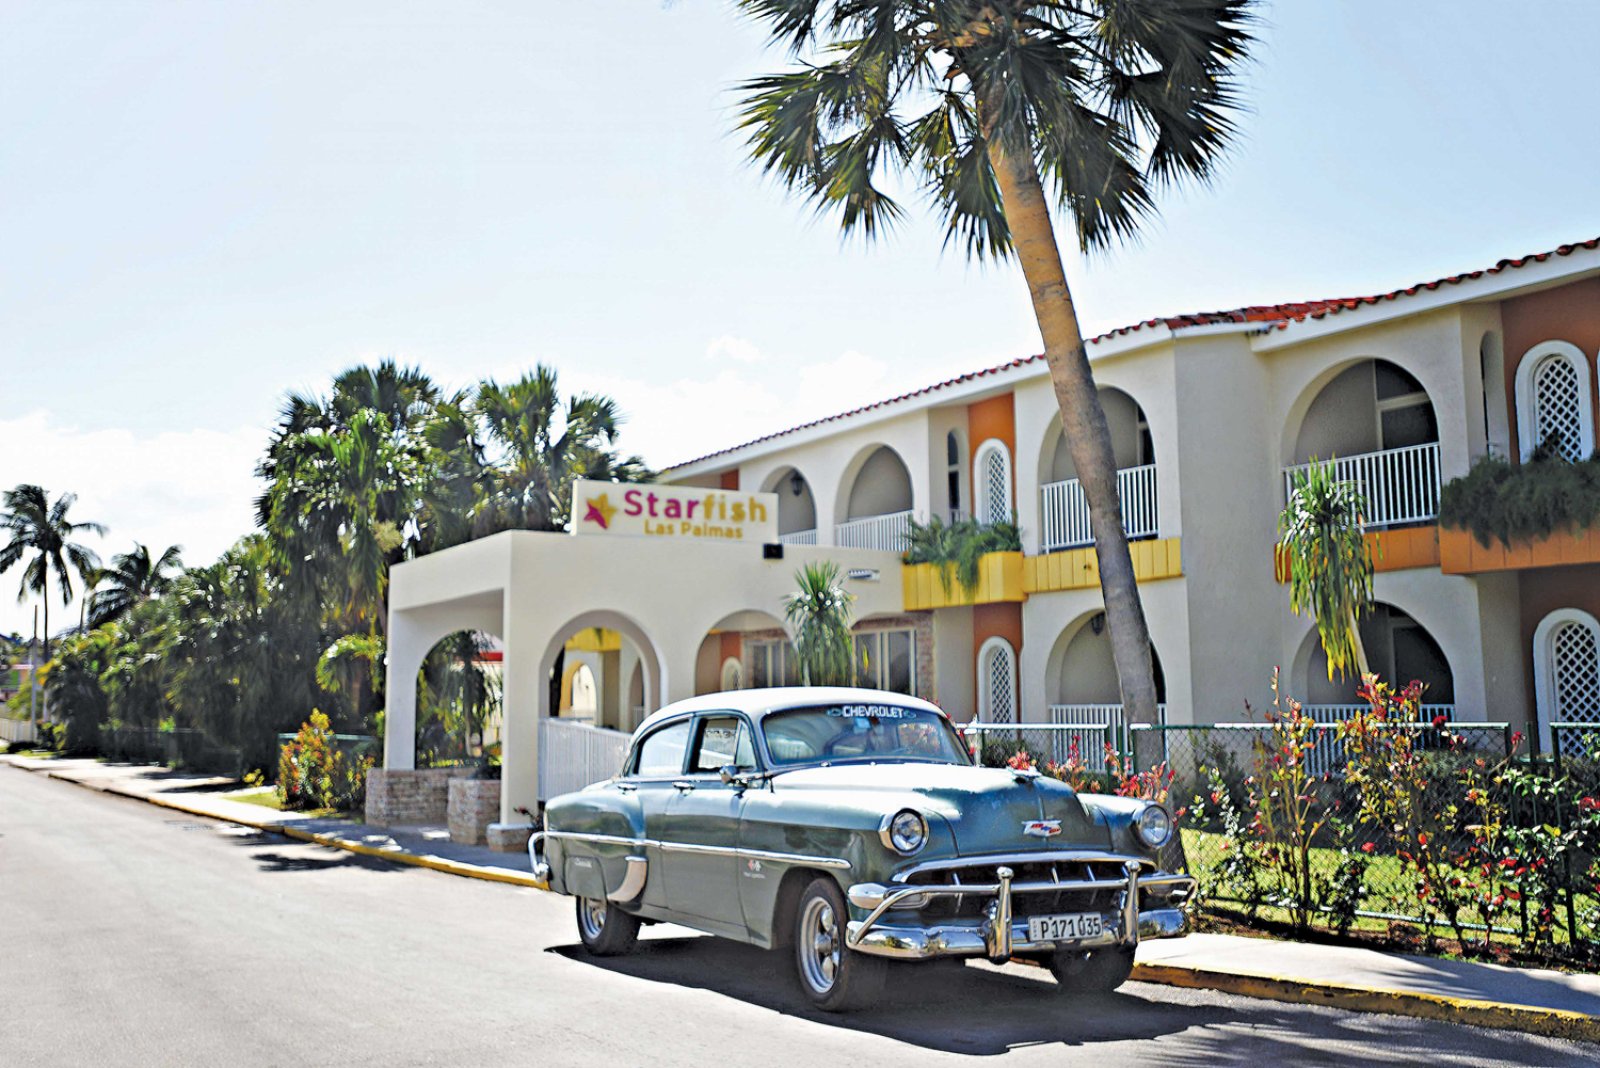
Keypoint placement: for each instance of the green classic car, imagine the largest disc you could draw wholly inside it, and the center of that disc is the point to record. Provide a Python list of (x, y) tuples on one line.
[(851, 828)]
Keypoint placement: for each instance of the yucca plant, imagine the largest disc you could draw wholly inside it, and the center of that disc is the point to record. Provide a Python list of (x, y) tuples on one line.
[(819, 613), (957, 549), (1328, 561)]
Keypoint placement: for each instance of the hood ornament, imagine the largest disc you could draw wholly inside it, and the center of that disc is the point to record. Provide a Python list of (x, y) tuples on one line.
[(1041, 828)]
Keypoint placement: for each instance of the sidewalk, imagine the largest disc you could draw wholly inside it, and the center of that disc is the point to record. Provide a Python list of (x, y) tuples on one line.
[(1536, 1000)]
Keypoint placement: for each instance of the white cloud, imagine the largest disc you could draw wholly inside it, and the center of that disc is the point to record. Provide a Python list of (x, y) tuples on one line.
[(192, 488), (738, 349)]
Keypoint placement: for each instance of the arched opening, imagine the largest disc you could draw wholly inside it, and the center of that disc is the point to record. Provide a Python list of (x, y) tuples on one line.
[(1566, 676), (1554, 415), (1496, 412), (459, 701), (745, 650), (1399, 650), (1064, 510), (991, 483), (954, 469), (877, 503), (1376, 422), (1082, 687), (603, 671), (797, 506)]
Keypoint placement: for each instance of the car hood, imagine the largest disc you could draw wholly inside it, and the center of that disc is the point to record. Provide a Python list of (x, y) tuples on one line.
[(987, 809)]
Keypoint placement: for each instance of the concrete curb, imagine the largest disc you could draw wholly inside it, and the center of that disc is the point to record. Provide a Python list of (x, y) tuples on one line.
[(1551, 1023), (396, 856)]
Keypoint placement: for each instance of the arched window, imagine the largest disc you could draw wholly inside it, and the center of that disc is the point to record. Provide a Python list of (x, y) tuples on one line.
[(991, 483), (1566, 672), (952, 469), (997, 682), (1553, 401)]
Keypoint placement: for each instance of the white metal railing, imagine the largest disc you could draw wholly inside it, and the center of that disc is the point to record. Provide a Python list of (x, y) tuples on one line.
[(1064, 517), (573, 755), (1094, 725), (1401, 485), (885, 532), (17, 730), (799, 537)]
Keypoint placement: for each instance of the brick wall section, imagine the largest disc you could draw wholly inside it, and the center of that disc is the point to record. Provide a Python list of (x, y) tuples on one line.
[(406, 796), (474, 804)]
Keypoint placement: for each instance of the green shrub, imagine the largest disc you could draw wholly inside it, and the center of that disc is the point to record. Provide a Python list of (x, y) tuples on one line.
[(313, 772), (1507, 502)]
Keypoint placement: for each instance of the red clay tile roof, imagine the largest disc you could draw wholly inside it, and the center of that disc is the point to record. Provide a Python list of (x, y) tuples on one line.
[(1272, 316)]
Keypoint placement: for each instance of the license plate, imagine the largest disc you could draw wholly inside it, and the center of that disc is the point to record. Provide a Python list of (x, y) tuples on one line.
[(1064, 928)]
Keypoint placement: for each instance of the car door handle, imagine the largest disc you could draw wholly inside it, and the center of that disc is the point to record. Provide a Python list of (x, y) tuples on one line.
[(683, 784), (626, 787)]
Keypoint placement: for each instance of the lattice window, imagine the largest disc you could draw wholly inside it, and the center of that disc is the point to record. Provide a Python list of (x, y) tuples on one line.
[(993, 483), (1558, 406), (1575, 670), (998, 669)]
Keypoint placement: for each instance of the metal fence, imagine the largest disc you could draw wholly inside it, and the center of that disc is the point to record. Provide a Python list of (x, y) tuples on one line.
[(573, 755), (1359, 874), (17, 731), (180, 748)]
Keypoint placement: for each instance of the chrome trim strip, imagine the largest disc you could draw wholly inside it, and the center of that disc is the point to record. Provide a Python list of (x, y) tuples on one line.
[(692, 847), (632, 883), (981, 860)]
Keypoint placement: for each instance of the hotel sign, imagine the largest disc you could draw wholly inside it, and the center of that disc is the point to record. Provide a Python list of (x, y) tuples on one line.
[(657, 511)]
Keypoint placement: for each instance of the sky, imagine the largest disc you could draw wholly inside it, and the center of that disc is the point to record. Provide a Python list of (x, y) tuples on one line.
[(205, 205)]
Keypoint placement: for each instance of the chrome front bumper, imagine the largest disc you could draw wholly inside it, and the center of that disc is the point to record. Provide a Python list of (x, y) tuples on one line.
[(999, 936)]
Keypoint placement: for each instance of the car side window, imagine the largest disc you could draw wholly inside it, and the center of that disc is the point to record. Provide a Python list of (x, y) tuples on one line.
[(724, 740), (661, 753)]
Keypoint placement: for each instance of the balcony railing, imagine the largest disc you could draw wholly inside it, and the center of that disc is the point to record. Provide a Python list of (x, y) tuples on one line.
[(799, 537), (1064, 517), (1401, 485), (885, 532)]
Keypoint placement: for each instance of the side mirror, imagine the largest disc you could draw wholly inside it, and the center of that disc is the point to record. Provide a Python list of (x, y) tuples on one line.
[(730, 775)]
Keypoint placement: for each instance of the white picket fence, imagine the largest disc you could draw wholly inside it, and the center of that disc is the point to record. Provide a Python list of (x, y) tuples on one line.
[(17, 731), (1401, 485), (799, 537), (1064, 515), (885, 532), (572, 755)]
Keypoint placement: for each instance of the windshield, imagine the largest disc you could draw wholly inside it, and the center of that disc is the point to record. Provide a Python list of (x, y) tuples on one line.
[(835, 733)]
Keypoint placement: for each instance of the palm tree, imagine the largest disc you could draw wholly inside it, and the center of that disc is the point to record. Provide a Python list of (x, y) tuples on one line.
[(42, 529), (1328, 561), (983, 102), (819, 612), (132, 578), (543, 446)]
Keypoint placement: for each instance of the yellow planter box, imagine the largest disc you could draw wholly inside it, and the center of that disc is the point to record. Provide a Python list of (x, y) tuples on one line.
[(1079, 569), (999, 580)]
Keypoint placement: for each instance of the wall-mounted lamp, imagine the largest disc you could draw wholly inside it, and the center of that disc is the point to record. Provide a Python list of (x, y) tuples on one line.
[(1098, 623), (796, 483)]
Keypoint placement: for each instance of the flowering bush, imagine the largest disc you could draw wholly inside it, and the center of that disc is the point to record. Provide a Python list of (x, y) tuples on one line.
[(313, 772)]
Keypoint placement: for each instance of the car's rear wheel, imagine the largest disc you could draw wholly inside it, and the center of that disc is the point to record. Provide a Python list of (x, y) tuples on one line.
[(1094, 971), (833, 977), (605, 929)]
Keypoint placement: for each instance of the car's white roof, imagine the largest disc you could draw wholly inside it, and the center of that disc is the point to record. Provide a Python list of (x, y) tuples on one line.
[(760, 702)]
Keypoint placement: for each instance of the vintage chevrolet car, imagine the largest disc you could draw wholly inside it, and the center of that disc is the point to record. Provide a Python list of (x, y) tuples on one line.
[(851, 828)]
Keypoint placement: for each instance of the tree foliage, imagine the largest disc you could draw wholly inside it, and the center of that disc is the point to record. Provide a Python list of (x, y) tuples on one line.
[(819, 613), (1500, 501)]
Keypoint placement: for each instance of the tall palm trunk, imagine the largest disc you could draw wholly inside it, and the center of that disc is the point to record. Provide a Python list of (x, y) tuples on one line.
[(1083, 420)]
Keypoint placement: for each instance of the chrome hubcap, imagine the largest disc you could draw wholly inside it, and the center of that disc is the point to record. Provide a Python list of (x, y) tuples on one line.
[(820, 947), (592, 917)]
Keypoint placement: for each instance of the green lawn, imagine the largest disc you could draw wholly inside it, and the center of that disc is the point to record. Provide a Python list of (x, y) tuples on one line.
[(267, 797)]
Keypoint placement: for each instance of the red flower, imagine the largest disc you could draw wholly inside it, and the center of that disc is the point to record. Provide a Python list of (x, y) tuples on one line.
[(1588, 804), (1438, 721), (1368, 847)]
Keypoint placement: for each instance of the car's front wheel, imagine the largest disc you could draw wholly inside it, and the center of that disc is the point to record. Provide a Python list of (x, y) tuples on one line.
[(1094, 971), (833, 977), (605, 929)]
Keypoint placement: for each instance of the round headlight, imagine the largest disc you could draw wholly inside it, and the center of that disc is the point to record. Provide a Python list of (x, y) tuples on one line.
[(905, 832), (1154, 825)]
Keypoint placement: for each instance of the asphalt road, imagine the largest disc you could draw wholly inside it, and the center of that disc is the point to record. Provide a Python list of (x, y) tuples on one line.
[(130, 935)]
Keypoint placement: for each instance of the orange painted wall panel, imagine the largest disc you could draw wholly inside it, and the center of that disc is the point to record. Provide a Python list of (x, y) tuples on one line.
[(729, 480), (995, 417), (1567, 313)]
